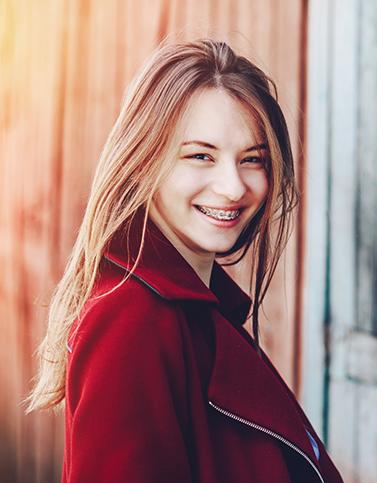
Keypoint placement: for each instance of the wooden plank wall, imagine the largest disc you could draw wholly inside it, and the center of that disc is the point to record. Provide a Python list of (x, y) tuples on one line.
[(64, 65)]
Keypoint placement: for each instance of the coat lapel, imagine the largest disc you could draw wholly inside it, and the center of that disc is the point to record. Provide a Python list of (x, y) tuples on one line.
[(243, 385)]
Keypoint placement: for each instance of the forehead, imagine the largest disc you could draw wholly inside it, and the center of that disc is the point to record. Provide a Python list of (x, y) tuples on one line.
[(214, 116)]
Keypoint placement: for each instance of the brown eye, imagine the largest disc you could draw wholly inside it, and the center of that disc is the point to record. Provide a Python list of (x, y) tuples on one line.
[(253, 159), (202, 156)]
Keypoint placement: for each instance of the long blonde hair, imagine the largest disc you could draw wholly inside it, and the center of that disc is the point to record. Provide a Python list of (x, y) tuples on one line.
[(139, 152)]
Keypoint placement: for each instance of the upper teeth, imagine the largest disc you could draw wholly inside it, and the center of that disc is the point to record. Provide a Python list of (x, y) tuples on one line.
[(219, 214)]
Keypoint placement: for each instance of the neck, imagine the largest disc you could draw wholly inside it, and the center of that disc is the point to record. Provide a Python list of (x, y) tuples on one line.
[(202, 263)]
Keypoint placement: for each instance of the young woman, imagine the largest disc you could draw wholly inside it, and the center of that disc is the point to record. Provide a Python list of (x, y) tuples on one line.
[(146, 341)]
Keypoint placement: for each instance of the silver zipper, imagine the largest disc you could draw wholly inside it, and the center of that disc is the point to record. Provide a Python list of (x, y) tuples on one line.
[(270, 433)]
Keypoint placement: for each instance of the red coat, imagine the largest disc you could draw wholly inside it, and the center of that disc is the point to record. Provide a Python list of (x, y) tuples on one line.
[(163, 384)]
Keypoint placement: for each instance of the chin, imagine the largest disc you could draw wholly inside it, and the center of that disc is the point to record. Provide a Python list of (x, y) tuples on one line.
[(222, 253), (220, 249), (225, 247)]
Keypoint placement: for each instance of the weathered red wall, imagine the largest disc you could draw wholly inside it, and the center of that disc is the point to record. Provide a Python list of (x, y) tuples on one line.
[(64, 66)]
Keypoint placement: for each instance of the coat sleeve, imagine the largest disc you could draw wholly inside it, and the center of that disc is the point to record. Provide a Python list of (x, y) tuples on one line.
[(126, 404)]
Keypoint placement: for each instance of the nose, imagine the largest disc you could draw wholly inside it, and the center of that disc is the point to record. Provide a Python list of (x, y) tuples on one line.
[(228, 182)]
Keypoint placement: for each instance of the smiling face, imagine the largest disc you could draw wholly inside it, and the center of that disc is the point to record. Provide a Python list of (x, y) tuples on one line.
[(218, 184)]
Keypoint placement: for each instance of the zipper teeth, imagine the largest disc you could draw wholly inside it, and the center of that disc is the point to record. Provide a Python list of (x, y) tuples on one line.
[(269, 432)]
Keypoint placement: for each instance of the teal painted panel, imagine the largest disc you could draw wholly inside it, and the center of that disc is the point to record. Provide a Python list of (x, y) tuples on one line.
[(342, 248), (366, 210)]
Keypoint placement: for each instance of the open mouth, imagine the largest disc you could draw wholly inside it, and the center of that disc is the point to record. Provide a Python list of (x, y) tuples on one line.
[(223, 215)]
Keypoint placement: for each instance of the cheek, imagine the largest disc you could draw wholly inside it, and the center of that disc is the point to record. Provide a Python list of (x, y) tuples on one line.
[(259, 186), (184, 184), (264, 186), (164, 198)]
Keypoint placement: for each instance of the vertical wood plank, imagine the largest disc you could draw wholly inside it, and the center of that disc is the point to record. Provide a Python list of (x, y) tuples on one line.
[(317, 201), (366, 433), (342, 427), (367, 171), (344, 109), (363, 347)]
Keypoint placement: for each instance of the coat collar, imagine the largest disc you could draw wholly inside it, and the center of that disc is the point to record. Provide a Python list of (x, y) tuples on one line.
[(166, 272)]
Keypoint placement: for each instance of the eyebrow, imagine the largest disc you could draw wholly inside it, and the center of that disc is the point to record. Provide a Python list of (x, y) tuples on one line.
[(257, 147)]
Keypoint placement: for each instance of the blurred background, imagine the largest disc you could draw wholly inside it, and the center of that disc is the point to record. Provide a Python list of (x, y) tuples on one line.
[(63, 67)]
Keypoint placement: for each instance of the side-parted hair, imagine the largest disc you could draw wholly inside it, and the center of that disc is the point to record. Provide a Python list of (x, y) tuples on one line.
[(139, 153)]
